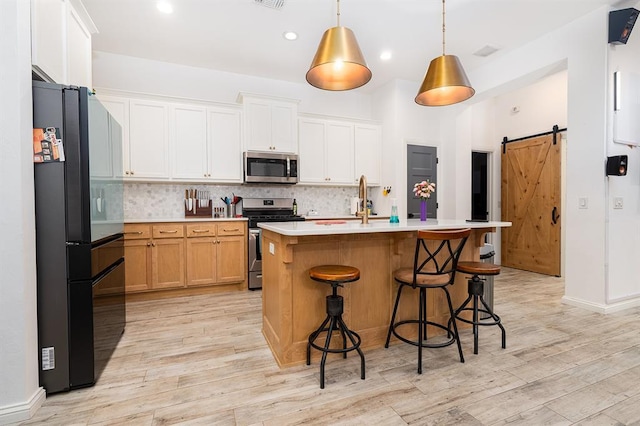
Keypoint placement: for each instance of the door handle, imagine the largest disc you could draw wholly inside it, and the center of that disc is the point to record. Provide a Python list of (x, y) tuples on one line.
[(554, 215)]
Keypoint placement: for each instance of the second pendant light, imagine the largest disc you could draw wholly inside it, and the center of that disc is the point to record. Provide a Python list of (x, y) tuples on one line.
[(445, 83)]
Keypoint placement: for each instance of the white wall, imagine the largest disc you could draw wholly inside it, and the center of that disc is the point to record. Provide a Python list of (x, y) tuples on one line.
[(19, 392), (582, 45), (623, 225)]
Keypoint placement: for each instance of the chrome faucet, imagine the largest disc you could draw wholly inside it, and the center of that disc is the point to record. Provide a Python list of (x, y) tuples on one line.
[(363, 211)]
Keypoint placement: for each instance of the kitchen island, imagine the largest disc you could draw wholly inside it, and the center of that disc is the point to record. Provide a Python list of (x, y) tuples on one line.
[(293, 305)]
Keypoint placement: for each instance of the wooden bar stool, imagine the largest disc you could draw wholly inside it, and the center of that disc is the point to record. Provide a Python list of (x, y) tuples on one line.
[(434, 267), (476, 294), (336, 276)]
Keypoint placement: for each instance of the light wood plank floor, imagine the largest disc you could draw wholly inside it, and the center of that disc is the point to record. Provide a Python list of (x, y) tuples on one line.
[(203, 360)]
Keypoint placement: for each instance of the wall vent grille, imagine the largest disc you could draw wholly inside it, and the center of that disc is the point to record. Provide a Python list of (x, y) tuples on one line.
[(273, 4)]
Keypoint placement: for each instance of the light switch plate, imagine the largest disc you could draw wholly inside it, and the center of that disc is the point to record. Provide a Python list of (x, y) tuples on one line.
[(618, 203), (583, 203), (272, 248)]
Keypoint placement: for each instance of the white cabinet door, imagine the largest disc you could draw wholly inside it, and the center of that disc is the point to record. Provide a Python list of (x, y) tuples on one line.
[(270, 125), (312, 151), (368, 153), (78, 48), (283, 127), (189, 142), (48, 38), (148, 140), (224, 144), (119, 110), (258, 124), (339, 153)]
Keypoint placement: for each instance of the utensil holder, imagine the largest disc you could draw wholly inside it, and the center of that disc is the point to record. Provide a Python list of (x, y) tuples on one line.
[(231, 210)]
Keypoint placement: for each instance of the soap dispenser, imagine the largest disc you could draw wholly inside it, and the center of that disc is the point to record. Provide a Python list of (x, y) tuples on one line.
[(394, 211)]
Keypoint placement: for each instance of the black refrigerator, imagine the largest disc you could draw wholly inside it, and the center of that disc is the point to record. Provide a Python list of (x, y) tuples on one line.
[(79, 235)]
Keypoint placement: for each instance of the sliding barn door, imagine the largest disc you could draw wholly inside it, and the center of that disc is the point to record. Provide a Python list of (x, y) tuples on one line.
[(531, 201)]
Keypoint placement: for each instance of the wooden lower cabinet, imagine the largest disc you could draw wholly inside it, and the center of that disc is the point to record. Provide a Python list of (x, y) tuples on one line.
[(137, 271), (230, 264), (167, 263), (201, 264), (178, 256), (216, 260)]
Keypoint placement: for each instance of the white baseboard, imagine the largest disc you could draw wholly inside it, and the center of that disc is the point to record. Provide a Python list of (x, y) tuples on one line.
[(602, 308), (20, 412)]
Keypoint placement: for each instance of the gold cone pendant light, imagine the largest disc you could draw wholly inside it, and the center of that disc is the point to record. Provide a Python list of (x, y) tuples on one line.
[(446, 82), (339, 63)]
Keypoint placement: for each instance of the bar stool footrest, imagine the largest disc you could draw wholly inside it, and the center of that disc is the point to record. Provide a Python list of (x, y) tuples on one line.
[(425, 344), (491, 320), (338, 350)]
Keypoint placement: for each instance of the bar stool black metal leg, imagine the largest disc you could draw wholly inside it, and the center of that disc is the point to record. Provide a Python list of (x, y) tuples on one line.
[(314, 336), (497, 320), (455, 326), (475, 324), (393, 316), (354, 343), (421, 326), (324, 353)]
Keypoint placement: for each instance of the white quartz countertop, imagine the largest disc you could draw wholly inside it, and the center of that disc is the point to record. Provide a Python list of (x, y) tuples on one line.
[(335, 226), (186, 220)]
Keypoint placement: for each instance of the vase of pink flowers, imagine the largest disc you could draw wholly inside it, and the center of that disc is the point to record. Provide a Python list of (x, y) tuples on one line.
[(423, 191)]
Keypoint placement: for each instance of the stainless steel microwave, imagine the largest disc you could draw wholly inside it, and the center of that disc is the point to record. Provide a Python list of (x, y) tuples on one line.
[(266, 167)]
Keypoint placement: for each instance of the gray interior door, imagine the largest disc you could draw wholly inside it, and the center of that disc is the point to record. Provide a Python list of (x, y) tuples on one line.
[(422, 163)]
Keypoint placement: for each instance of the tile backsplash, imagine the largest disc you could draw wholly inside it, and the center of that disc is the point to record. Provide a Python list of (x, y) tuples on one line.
[(166, 201)]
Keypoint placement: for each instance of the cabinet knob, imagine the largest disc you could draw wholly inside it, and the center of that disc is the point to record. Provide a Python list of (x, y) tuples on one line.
[(131, 172), (153, 244), (148, 243)]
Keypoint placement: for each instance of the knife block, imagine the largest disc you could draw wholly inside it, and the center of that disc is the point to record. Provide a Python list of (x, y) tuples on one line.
[(200, 212)]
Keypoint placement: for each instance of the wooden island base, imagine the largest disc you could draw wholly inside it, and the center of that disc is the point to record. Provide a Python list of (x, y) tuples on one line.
[(293, 305)]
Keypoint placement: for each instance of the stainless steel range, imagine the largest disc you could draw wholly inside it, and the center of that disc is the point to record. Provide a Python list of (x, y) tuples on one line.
[(263, 210)]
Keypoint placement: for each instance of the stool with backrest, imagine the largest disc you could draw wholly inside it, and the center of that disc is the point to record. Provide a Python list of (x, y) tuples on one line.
[(476, 296), (434, 267), (336, 276)]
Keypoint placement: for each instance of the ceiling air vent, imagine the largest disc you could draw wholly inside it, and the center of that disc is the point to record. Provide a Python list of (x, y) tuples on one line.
[(486, 51), (273, 4)]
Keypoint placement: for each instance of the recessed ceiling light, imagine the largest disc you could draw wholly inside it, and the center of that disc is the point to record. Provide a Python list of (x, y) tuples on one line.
[(386, 55), (164, 7), (290, 35)]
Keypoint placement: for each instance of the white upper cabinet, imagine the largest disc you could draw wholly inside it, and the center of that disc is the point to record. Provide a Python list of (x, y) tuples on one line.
[(206, 143), (61, 41), (189, 142), (48, 36), (312, 135), (78, 50), (270, 124), (148, 140), (368, 152), (224, 144), (326, 151)]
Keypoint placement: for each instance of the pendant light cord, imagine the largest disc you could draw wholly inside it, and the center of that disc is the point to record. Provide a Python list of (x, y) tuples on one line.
[(338, 1), (442, 27)]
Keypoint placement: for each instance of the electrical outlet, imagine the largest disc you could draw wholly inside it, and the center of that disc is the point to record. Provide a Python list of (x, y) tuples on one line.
[(617, 203), (583, 203), (272, 248)]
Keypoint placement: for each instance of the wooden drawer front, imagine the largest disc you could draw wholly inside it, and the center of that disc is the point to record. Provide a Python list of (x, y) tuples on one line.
[(231, 228), (201, 230), (170, 230), (137, 231)]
